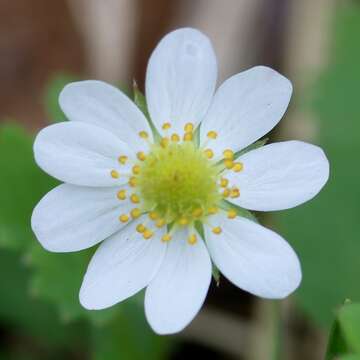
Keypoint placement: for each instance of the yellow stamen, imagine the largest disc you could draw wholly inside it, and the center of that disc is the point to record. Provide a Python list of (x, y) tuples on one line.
[(238, 166), (147, 234), (217, 230), (212, 135), (136, 169), (160, 223), (197, 212), (134, 198), (209, 153), (192, 239), (164, 142), (153, 215), (175, 138), (226, 193), (228, 154), (234, 193), (140, 228), (121, 194), (224, 182), (183, 221), (135, 213), (166, 238), (166, 126), (141, 156), (143, 134), (189, 127), (122, 159), (132, 181), (231, 214), (124, 218), (213, 210), (228, 163), (188, 136), (114, 174)]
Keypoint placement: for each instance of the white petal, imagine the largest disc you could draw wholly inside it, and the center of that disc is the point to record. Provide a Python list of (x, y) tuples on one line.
[(123, 265), (180, 79), (254, 258), (280, 176), (72, 218), (178, 290), (80, 154), (245, 108), (103, 105)]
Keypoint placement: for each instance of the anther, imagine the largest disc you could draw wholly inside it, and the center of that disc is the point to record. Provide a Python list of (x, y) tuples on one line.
[(143, 134), (114, 174), (226, 193), (188, 136), (197, 212), (135, 213), (134, 198), (147, 234), (217, 230), (228, 154), (166, 126), (132, 181), (234, 193), (164, 142), (140, 228), (160, 223), (224, 182), (212, 135), (183, 221), (121, 194), (213, 210), (228, 163), (231, 214), (153, 215), (124, 218), (136, 169), (209, 153), (238, 166), (175, 138), (141, 156), (189, 127), (122, 159), (166, 238), (192, 239)]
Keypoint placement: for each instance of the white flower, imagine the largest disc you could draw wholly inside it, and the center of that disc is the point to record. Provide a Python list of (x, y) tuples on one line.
[(146, 199)]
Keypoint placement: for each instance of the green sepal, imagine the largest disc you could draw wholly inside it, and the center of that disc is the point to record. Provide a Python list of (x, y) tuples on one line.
[(255, 145), (140, 102), (344, 339), (226, 205)]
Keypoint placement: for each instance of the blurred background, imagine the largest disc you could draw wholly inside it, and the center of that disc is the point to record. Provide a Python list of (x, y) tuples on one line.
[(45, 44)]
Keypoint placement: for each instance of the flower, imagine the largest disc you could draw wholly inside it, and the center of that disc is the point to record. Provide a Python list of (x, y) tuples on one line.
[(168, 207)]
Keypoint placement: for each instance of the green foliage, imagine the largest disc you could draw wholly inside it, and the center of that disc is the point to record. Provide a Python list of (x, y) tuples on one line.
[(344, 341), (51, 96), (40, 298), (325, 231)]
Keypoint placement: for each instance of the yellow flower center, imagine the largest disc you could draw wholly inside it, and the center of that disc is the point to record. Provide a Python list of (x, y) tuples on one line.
[(178, 182)]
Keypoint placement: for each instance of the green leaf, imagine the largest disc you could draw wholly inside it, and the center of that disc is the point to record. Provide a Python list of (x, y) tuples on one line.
[(22, 184), (51, 96), (129, 337), (29, 315), (344, 338), (56, 277), (325, 231)]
